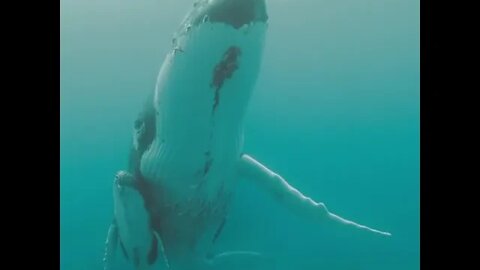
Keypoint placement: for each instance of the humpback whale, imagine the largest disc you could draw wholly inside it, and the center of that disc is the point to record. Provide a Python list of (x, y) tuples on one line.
[(187, 151)]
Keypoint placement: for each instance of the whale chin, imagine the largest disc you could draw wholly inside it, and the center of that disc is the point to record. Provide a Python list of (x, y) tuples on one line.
[(235, 13)]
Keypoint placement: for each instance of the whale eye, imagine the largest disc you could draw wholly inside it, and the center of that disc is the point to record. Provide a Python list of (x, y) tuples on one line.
[(138, 124)]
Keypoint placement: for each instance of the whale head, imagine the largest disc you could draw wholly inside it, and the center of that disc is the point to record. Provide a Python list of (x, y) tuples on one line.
[(205, 84), (215, 60)]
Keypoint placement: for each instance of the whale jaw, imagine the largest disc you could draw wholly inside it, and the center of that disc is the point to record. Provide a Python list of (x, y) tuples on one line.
[(235, 13)]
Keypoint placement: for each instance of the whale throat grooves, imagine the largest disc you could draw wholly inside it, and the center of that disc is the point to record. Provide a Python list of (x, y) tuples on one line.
[(224, 70)]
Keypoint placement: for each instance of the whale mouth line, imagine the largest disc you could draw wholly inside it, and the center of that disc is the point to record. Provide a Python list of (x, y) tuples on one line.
[(246, 25)]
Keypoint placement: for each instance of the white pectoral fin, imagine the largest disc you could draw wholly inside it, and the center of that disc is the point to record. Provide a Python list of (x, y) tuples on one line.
[(110, 247), (284, 193)]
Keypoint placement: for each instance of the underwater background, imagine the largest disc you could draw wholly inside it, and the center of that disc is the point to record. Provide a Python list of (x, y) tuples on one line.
[(336, 111)]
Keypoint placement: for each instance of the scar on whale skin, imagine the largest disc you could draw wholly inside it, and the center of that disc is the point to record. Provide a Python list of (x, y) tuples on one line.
[(219, 230), (208, 163), (224, 70)]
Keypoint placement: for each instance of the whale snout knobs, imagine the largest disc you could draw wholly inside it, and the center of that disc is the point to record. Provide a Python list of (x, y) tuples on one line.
[(232, 12)]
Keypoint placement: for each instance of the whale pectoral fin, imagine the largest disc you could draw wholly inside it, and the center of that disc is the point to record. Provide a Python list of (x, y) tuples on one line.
[(238, 259), (110, 246), (284, 193), (158, 250)]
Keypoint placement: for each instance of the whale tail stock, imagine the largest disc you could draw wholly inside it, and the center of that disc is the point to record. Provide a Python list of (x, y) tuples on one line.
[(274, 184)]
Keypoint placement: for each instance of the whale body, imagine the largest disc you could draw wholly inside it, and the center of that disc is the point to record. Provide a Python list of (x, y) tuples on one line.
[(187, 150)]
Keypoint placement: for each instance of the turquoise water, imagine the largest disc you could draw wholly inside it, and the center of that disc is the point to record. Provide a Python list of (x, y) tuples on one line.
[(336, 112)]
